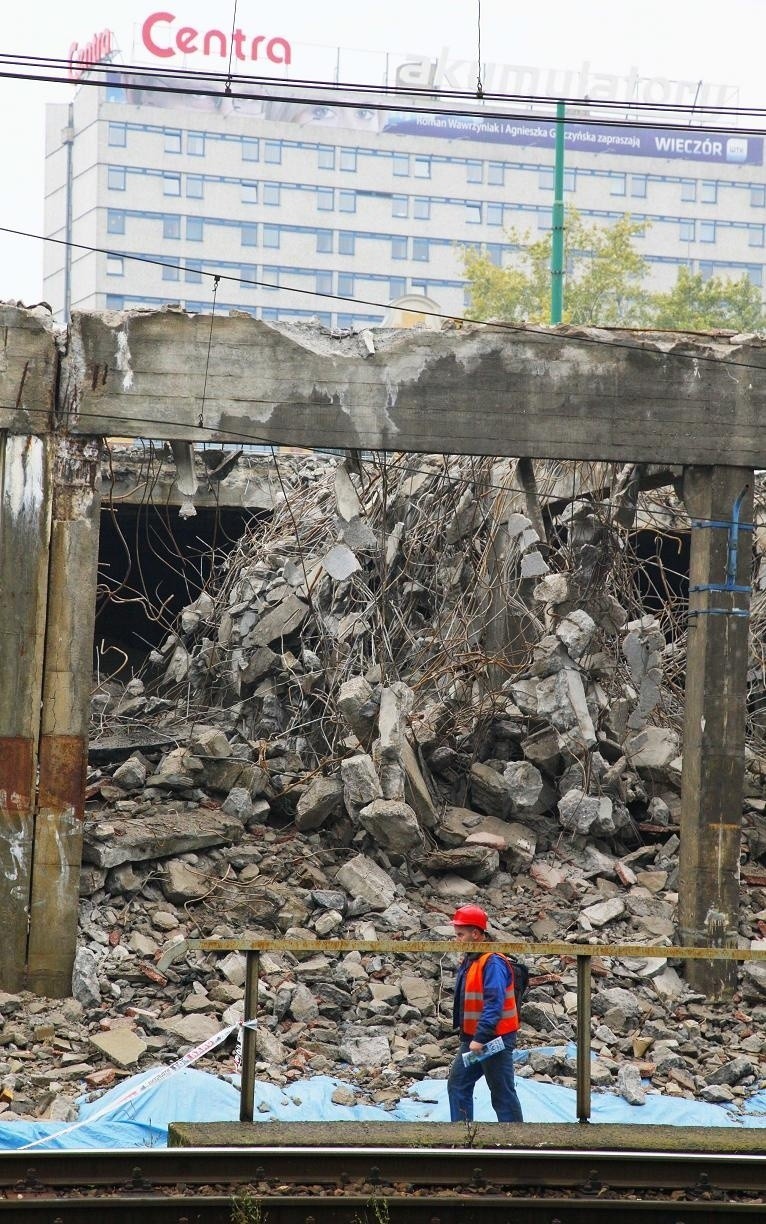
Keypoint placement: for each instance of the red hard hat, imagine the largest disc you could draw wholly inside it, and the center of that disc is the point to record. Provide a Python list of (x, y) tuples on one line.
[(470, 915)]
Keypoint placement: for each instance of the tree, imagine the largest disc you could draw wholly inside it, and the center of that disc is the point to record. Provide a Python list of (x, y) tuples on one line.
[(603, 278), (694, 304)]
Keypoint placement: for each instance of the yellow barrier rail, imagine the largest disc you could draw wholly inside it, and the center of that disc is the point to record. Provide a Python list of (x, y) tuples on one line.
[(582, 954)]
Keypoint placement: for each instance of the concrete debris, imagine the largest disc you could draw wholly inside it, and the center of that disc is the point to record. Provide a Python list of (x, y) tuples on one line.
[(629, 1084), (330, 748)]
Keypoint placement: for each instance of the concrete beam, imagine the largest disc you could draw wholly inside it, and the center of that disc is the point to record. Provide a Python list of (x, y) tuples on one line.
[(549, 393), (28, 369)]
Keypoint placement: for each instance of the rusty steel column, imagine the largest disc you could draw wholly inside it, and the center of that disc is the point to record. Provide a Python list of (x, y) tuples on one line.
[(720, 504), (25, 490), (57, 851)]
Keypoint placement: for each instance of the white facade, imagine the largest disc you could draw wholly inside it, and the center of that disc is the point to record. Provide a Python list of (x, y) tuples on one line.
[(303, 219)]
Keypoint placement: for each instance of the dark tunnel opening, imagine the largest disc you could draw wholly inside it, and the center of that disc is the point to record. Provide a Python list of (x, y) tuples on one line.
[(152, 563)]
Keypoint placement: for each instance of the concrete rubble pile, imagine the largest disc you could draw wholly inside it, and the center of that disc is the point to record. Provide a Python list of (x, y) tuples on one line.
[(405, 690)]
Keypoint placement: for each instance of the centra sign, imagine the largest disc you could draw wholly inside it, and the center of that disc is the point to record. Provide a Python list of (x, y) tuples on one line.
[(81, 59), (165, 35)]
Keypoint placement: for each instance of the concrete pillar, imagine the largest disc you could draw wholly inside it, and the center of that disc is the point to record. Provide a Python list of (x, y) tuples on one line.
[(714, 722), (25, 489), (67, 674)]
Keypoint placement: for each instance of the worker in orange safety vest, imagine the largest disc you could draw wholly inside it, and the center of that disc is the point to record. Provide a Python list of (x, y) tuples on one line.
[(484, 1009)]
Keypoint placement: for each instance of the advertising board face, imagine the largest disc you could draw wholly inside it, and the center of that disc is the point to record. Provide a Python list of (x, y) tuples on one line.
[(167, 37)]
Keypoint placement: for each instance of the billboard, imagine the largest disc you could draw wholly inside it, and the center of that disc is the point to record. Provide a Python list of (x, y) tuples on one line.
[(581, 136), (687, 144)]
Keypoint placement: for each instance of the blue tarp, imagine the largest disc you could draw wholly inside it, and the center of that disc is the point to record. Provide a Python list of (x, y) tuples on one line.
[(198, 1096)]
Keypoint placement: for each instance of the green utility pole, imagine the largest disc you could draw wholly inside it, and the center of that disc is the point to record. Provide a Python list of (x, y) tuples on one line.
[(557, 246)]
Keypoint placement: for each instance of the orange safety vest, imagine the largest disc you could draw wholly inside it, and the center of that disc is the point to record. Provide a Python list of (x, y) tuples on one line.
[(473, 999)]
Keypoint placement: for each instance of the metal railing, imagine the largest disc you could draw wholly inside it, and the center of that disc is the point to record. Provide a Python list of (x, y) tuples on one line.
[(582, 953)]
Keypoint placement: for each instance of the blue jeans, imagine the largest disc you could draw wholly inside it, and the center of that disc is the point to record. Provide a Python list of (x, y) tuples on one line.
[(498, 1072)]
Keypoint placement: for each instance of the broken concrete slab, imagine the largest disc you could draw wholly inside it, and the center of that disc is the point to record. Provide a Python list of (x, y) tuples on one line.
[(392, 825), (163, 835)]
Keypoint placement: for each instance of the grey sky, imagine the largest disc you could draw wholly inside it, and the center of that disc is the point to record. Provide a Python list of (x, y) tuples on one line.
[(681, 39)]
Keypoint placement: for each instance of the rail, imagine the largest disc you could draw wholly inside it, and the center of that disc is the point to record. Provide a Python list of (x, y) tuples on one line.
[(582, 953)]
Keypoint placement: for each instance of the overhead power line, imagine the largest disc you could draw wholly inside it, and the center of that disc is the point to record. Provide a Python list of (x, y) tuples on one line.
[(500, 325), (265, 89)]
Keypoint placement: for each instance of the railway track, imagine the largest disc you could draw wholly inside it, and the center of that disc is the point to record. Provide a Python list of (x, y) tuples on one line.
[(332, 1185)]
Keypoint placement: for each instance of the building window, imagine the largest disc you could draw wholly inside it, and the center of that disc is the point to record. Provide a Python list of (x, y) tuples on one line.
[(272, 152), (250, 149), (421, 208), (421, 167), (270, 278), (617, 184), (638, 186), (115, 265), (324, 282), (249, 193), (115, 221), (249, 235), (473, 212), (194, 229), (474, 172), (270, 193), (709, 192), (397, 287), (324, 241), (400, 206), (758, 195), (193, 272), (326, 157), (347, 201), (195, 186), (171, 270), (545, 179), (247, 276), (544, 221), (172, 140), (171, 227), (398, 248), (496, 174), (494, 214), (755, 235), (346, 243), (706, 269), (117, 135), (171, 184), (195, 144), (401, 165), (495, 254), (707, 231), (688, 190), (115, 301), (345, 284), (687, 231), (755, 274), (347, 159), (271, 236), (115, 178), (325, 199), (420, 249)]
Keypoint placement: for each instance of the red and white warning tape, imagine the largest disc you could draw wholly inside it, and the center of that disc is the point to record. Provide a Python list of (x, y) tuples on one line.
[(131, 1094)]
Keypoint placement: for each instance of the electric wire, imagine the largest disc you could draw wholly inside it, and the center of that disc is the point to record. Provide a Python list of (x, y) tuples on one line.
[(264, 440), (276, 85), (266, 93), (550, 333)]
